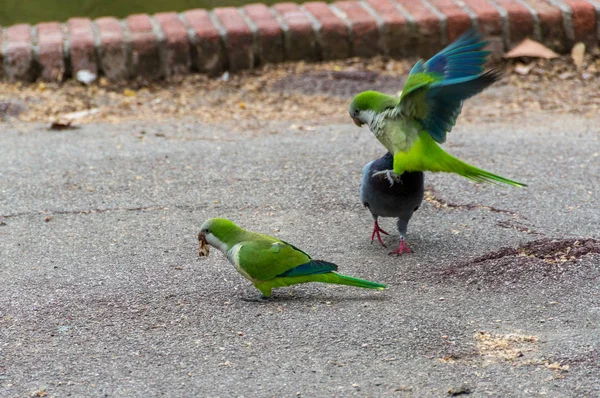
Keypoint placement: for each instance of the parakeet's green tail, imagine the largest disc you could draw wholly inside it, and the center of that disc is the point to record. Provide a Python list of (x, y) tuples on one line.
[(330, 277), (454, 165), (427, 155), (479, 175)]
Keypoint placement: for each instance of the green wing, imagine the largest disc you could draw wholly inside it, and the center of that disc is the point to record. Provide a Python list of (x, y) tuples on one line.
[(412, 100), (264, 259), (435, 90), (268, 258)]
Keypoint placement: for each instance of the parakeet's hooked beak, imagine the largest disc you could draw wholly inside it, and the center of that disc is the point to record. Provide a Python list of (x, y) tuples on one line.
[(204, 247), (357, 122)]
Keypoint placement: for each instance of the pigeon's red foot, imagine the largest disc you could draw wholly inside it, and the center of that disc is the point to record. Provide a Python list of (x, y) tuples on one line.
[(402, 248), (376, 231)]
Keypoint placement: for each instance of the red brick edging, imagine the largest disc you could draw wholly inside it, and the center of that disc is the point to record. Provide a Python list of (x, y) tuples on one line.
[(227, 38)]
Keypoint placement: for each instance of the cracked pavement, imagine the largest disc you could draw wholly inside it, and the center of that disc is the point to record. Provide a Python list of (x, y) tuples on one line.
[(103, 293)]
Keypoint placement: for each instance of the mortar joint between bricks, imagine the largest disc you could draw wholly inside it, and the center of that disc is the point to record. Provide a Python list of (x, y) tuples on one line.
[(257, 58), (596, 5), (222, 36), (379, 22), (193, 42), (2, 51), (317, 29), (504, 22), (284, 28), (537, 29), (66, 48), (32, 72), (472, 14), (443, 20), (342, 15), (162, 46), (128, 49), (410, 20), (567, 18), (97, 47), (36, 63)]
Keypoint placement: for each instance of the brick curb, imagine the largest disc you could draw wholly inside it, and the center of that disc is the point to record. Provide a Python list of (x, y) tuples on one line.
[(143, 47)]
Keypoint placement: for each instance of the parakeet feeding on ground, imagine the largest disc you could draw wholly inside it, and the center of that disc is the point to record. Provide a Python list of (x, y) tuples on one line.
[(384, 200), (412, 125), (268, 262)]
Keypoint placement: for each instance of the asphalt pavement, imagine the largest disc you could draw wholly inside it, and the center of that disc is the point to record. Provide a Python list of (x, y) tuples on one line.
[(103, 293)]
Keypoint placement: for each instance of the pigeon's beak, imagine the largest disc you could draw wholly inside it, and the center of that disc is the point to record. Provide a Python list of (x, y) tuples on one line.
[(357, 122), (203, 245)]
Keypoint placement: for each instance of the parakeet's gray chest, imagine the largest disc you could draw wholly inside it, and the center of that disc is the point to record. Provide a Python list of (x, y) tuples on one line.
[(396, 133)]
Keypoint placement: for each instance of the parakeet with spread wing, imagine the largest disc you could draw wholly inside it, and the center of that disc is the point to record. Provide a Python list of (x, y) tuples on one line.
[(412, 125)]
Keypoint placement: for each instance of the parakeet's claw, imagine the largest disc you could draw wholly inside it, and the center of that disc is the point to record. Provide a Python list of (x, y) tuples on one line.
[(402, 248), (376, 231), (389, 175)]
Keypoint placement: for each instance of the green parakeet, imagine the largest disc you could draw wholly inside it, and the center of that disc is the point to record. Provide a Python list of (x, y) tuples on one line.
[(268, 262), (412, 125)]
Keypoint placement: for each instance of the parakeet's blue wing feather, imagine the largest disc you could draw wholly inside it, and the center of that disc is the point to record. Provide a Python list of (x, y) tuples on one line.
[(417, 68), (435, 90), (462, 58), (310, 268), (461, 64), (445, 102)]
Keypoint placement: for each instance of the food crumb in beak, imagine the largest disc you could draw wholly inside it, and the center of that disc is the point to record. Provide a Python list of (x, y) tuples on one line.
[(357, 122), (203, 245)]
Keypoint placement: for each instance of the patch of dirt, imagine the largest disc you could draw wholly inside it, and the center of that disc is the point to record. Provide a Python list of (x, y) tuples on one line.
[(511, 224), (504, 347), (548, 250), (532, 262), (488, 347), (312, 93), (432, 197)]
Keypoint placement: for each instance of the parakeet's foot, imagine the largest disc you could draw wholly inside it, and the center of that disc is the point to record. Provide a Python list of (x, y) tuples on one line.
[(376, 231), (402, 248), (389, 175)]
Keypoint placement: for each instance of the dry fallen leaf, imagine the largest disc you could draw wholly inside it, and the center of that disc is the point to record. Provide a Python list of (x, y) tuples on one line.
[(129, 92), (531, 48), (577, 53)]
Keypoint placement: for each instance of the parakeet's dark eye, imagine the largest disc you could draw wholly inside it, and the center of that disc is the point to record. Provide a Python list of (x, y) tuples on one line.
[(207, 231)]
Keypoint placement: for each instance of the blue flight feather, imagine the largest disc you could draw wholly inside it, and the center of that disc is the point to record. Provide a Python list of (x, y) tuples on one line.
[(310, 268), (462, 58), (461, 65), (445, 101), (417, 68)]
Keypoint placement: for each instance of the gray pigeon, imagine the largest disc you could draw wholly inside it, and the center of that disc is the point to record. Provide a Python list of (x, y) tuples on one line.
[(383, 199)]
